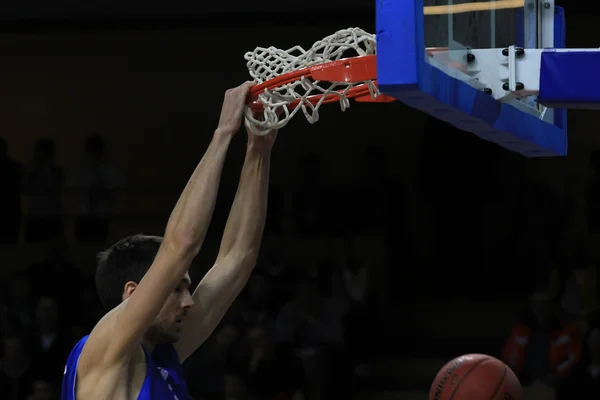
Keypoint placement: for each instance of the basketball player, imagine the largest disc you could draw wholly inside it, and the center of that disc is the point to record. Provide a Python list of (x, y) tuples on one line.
[(155, 324)]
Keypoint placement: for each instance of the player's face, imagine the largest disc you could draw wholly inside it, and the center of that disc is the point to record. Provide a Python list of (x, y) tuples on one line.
[(169, 322)]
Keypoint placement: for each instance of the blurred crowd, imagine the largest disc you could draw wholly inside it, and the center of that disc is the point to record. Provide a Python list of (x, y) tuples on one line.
[(286, 337), (40, 184), (304, 327), (554, 345)]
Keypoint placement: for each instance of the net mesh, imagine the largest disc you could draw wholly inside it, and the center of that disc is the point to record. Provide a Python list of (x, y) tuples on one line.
[(267, 63)]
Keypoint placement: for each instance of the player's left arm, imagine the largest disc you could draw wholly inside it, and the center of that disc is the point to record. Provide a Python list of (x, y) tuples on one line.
[(239, 248)]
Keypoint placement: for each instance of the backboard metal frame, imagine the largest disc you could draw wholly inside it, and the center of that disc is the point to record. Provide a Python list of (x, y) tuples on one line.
[(404, 73)]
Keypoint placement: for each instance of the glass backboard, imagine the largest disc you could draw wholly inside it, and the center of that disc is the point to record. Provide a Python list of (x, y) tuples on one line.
[(451, 59), (462, 24)]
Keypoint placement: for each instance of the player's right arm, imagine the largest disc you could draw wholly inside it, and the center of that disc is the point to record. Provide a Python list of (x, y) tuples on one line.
[(120, 332)]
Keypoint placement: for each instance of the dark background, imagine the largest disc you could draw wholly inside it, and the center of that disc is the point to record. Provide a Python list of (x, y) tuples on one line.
[(63, 14), (455, 233), (95, 9)]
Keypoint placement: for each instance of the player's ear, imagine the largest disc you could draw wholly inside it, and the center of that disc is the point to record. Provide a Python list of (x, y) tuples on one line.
[(129, 289)]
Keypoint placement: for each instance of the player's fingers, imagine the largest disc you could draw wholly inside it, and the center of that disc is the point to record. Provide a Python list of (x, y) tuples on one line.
[(246, 86), (244, 89)]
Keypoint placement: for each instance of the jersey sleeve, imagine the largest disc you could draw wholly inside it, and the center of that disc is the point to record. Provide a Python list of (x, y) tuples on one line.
[(70, 372)]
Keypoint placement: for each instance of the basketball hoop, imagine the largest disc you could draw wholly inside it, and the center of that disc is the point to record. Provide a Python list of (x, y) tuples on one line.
[(337, 68)]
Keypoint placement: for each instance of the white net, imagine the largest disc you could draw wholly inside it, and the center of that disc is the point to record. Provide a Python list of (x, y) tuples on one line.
[(268, 63)]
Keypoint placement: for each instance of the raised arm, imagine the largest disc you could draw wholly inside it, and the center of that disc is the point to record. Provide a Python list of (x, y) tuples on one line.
[(121, 331), (239, 248)]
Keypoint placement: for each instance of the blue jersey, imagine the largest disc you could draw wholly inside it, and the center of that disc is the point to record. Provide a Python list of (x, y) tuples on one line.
[(164, 375)]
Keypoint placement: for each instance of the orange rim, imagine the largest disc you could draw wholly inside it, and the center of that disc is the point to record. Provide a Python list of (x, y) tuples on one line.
[(353, 69)]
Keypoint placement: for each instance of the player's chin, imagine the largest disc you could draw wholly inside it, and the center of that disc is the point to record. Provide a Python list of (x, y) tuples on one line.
[(172, 336)]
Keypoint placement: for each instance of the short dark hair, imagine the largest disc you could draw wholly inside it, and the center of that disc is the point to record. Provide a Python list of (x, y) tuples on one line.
[(127, 260)]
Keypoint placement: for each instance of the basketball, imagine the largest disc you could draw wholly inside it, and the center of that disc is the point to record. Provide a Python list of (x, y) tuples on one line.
[(476, 377)]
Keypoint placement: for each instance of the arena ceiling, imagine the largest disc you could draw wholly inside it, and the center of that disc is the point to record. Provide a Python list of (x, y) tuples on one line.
[(97, 9), (18, 13)]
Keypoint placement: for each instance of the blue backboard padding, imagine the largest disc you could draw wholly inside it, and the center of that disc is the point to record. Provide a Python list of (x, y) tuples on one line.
[(520, 28), (471, 110), (396, 36), (447, 98), (560, 42), (568, 79)]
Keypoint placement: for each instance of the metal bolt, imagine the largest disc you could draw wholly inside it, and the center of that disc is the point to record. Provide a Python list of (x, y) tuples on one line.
[(518, 86), (546, 5), (519, 52)]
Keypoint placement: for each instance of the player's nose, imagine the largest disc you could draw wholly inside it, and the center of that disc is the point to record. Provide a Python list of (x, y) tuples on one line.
[(188, 301)]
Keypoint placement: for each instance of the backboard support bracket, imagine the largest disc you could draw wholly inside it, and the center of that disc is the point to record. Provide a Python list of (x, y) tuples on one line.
[(509, 118)]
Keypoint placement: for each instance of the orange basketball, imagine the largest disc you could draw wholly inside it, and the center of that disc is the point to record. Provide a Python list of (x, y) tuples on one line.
[(476, 377)]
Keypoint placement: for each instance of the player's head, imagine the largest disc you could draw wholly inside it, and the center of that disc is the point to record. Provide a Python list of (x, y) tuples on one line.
[(120, 270)]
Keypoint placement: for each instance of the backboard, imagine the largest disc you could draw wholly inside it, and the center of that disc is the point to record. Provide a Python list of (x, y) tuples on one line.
[(455, 60)]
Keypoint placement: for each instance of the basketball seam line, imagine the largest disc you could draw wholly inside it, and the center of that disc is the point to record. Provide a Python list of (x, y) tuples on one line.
[(465, 375), (499, 384)]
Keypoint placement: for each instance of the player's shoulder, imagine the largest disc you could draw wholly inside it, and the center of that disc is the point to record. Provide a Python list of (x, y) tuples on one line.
[(87, 374), (70, 371), (76, 350), (96, 349)]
